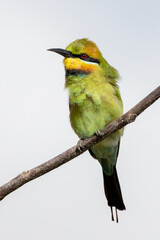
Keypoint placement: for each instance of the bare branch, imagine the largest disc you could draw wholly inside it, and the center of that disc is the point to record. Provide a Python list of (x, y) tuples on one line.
[(73, 152)]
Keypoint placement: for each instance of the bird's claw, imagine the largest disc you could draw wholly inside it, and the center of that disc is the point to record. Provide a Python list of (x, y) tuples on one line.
[(79, 145), (98, 134)]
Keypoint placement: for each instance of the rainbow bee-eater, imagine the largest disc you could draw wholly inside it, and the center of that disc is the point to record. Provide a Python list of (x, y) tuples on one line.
[(94, 102)]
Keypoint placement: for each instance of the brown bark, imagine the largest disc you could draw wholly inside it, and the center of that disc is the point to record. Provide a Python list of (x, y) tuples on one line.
[(73, 152)]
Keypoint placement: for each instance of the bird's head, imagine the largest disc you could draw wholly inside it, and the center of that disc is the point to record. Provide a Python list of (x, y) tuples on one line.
[(81, 56)]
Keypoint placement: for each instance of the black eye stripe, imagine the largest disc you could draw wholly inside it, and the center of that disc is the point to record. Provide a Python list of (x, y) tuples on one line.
[(87, 58)]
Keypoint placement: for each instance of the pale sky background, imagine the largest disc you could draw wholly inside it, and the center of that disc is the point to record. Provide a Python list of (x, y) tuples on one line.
[(69, 202)]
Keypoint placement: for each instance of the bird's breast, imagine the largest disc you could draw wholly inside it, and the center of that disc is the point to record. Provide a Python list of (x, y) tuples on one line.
[(93, 104)]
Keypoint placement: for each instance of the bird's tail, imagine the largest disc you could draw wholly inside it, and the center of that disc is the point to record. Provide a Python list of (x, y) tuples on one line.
[(113, 192)]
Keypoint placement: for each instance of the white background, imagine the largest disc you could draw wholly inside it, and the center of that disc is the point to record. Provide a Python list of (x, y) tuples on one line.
[(69, 202)]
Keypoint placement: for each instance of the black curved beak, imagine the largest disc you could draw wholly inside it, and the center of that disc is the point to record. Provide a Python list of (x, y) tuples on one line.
[(60, 51)]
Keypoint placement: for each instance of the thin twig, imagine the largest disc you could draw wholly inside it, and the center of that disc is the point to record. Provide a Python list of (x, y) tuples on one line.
[(73, 152)]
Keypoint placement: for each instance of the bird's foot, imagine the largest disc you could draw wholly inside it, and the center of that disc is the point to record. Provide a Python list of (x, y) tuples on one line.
[(79, 145), (98, 134)]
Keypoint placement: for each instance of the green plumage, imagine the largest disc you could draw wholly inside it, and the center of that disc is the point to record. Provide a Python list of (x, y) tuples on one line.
[(95, 101)]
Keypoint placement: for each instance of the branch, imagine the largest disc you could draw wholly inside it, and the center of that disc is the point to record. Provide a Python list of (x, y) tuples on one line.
[(73, 152)]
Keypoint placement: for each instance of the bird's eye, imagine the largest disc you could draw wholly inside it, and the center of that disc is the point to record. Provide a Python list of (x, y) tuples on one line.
[(84, 56)]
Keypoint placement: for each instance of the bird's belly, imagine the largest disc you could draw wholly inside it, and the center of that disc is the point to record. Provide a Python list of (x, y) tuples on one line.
[(106, 148)]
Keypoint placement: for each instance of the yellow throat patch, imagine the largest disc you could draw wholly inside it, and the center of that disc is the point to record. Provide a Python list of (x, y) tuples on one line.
[(79, 64)]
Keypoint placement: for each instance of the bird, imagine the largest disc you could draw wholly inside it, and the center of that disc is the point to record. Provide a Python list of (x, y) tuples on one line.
[(94, 102)]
